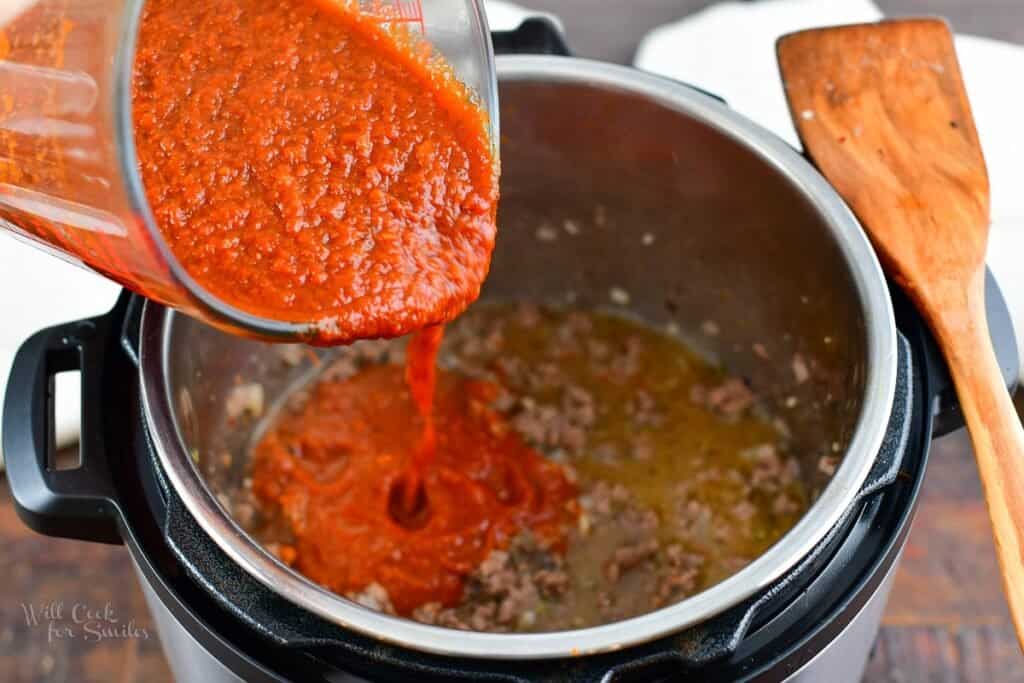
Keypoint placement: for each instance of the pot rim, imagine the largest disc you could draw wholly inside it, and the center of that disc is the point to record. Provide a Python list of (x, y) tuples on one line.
[(841, 491)]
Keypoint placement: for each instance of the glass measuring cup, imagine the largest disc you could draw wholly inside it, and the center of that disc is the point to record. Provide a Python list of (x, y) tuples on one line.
[(69, 180)]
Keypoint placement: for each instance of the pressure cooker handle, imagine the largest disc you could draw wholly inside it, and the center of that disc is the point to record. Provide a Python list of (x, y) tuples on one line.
[(889, 459), (78, 502), (535, 36)]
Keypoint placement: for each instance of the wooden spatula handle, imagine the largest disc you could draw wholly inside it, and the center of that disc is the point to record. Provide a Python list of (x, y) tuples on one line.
[(996, 433)]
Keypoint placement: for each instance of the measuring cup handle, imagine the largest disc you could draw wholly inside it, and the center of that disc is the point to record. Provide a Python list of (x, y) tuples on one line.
[(74, 503)]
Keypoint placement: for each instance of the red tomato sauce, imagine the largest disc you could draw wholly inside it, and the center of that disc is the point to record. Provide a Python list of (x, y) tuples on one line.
[(421, 378), (304, 164), (333, 468)]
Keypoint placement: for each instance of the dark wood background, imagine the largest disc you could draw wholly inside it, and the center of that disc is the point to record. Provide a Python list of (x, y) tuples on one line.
[(946, 620)]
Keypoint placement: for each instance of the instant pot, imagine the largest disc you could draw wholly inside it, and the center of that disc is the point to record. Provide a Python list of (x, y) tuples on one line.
[(695, 212)]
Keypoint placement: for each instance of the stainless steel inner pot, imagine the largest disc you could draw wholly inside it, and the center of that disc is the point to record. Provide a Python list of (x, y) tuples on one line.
[(694, 211)]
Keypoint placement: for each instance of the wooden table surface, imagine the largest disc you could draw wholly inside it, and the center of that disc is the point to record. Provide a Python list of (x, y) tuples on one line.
[(946, 620)]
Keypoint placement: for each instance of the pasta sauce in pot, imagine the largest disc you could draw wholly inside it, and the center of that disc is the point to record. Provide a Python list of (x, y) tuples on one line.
[(586, 469), (332, 469)]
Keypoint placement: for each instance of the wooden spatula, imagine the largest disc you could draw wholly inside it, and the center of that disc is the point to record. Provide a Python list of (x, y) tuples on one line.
[(882, 111)]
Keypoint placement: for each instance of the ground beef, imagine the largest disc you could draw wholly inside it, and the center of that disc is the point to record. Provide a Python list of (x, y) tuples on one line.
[(827, 464), (570, 337), (244, 513), (784, 505), (563, 427), (729, 399), (599, 500), (576, 323), (545, 376), (695, 520), (505, 591), (644, 411), (629, 556), (552, 583), (744, 511), (548, 428), (428, 613), (598, 350), (511, 369), (532, 421), (245, 399), (347, 361), (374, 596), (626, 363), (772, 470), (642, 450), (578, 406), (527, 315), (504, 402), (488, 343), (678, 575)]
